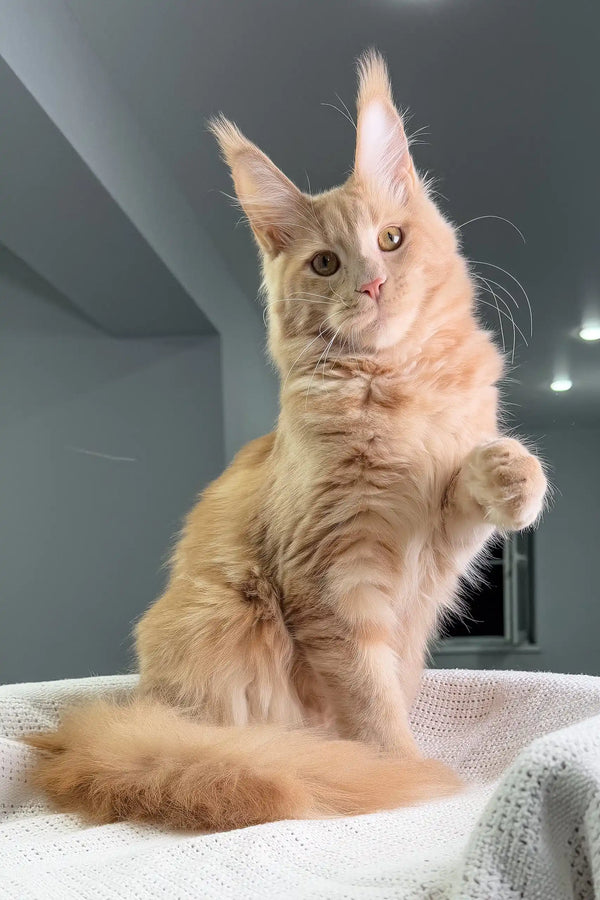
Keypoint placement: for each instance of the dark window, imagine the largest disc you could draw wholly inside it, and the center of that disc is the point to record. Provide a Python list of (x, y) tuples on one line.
[(497, 607)]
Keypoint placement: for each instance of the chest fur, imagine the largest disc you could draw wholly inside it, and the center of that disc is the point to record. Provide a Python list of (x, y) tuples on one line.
[(364, 484)]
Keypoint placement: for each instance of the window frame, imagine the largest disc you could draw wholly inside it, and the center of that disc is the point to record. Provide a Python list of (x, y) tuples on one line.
[(519, 606)]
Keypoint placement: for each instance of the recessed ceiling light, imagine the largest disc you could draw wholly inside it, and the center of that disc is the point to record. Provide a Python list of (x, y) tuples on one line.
[(590, 333), (561, 384)]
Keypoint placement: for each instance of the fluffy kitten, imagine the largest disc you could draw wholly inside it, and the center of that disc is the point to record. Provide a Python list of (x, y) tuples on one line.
[(310, 575)]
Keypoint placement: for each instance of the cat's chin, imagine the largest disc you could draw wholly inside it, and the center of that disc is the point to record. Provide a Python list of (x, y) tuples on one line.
[(382, 332)]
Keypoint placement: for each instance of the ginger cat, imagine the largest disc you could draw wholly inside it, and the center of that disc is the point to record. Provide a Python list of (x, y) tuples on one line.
[(311, 574)]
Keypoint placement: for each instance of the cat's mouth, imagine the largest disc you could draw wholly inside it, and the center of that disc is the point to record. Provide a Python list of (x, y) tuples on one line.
[(377, 324), (369, 312)]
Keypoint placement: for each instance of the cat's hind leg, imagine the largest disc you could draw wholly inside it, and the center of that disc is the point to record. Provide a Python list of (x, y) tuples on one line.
[(220, 651)]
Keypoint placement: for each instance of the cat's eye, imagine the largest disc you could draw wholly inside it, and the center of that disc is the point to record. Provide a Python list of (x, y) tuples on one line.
[(390, 238), (325, 263)]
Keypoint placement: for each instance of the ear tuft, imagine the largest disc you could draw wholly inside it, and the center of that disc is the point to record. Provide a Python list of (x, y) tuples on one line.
[(373, 79), (229, 137)]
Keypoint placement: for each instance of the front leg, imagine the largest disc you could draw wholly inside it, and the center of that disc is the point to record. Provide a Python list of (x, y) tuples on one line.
[(363, 687), (504, 482)]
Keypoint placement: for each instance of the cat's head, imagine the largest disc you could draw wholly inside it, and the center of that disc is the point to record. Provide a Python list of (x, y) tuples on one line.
[(362, 262)]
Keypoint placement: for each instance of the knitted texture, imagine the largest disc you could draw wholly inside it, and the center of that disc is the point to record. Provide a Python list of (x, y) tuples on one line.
[(527, 826)]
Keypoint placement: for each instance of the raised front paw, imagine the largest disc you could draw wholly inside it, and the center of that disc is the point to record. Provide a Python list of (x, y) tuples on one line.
[(508, 483)]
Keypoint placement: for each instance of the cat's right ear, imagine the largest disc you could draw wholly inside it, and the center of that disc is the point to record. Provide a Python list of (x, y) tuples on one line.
[(273, 204)]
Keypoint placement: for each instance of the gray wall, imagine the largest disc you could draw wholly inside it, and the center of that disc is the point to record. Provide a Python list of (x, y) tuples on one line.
[(69, 119), (90, 206), (567, 550), (105, 443)]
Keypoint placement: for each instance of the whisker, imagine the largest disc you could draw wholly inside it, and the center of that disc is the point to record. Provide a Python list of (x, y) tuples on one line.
[(320, 335), (327, 353), (298, 300), (340, 298), (352, 339), (499, 319), (346, 108), (501, 286), (341, 112), (514, 330), (313, 373), (309, 293), (336, 294), (479, 262), (514, 326), (501, 218), (504, 303), (343, 345), (487, 303)]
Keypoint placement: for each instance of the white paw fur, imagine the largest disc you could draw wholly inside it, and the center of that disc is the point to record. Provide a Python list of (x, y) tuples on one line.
[(507, 482)]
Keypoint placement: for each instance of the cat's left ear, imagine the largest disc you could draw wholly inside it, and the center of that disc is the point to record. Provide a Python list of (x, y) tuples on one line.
[(382, 155), (275, 207)]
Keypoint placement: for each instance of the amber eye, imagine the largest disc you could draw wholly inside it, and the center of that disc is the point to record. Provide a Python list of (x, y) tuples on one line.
[(390, 238), (325, 263)]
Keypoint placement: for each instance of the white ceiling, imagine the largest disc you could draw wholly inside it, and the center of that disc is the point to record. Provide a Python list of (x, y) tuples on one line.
[(506, 88)]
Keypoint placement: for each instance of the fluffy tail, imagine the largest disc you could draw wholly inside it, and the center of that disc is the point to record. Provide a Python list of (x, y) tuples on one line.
[(144, 761)]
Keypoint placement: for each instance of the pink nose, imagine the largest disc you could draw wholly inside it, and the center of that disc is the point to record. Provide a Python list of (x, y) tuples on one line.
[(372, 288)]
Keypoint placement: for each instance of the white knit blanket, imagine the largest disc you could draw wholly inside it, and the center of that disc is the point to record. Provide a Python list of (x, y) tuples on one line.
[(527, 827)]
